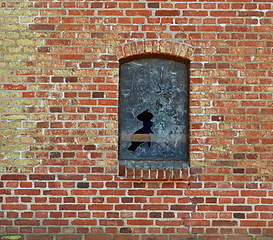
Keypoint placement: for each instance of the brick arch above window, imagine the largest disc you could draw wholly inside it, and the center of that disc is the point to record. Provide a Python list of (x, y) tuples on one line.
[(172, 48)]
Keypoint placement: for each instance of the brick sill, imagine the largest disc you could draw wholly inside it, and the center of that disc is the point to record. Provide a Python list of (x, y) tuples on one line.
[(176, 174)]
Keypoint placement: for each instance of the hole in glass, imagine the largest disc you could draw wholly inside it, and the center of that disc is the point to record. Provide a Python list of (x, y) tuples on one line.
[(143, 134)]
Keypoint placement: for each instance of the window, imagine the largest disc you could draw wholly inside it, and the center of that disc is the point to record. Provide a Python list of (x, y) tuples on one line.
[(153, 112)]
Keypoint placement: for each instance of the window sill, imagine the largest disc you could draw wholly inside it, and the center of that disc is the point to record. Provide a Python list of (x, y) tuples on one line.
[(176, 174)]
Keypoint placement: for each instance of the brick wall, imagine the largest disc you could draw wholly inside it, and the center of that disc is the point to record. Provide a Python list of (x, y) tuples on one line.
[(58, 127)]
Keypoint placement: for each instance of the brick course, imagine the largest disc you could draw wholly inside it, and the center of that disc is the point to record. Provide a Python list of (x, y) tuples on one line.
[(60, 177)]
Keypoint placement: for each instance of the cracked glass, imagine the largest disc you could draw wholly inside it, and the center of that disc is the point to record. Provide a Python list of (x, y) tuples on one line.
[(153, 113)]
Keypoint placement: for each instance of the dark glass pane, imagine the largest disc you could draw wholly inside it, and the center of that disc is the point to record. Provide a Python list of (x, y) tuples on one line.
[(153, 110)]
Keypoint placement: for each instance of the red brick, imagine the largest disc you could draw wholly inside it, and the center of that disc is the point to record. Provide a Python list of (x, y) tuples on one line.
[(183, 207), (27, 192), (224, 223), (155, 207), (253, 193), (169, 223), (128, 207), (72, 207), (68, 237), (72, 57), (110, 12), (58, 42), (85, 222), (44, 27), (232, 193), (27, 222), (196, 223), (210, 208), (111, 222), (182, 237), (139, 13), (43, 207), (18, 177), (167, 13), (141, 192), (126, 237), (101, 207), (195, 13), (215, 237), (198, 193), (97, 237), (239, 208), (41, 177), (55, 222), (41, 237), (143, 222), (245, 223)]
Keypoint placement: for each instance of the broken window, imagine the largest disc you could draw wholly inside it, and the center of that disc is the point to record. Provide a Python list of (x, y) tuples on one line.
[(153, 113)]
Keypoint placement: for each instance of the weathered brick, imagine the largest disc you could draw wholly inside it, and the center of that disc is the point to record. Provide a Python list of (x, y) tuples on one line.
[(59, 124), (9, 177), (97, 237), (83, 185), (167, 13), (42, 27), (183, 207), (41, 177)]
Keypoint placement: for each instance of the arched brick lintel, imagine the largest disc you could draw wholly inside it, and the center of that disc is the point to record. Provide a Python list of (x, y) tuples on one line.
[(171, 48)]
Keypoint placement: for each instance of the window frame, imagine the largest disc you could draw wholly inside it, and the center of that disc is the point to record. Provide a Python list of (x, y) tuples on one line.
[(184, 162)]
